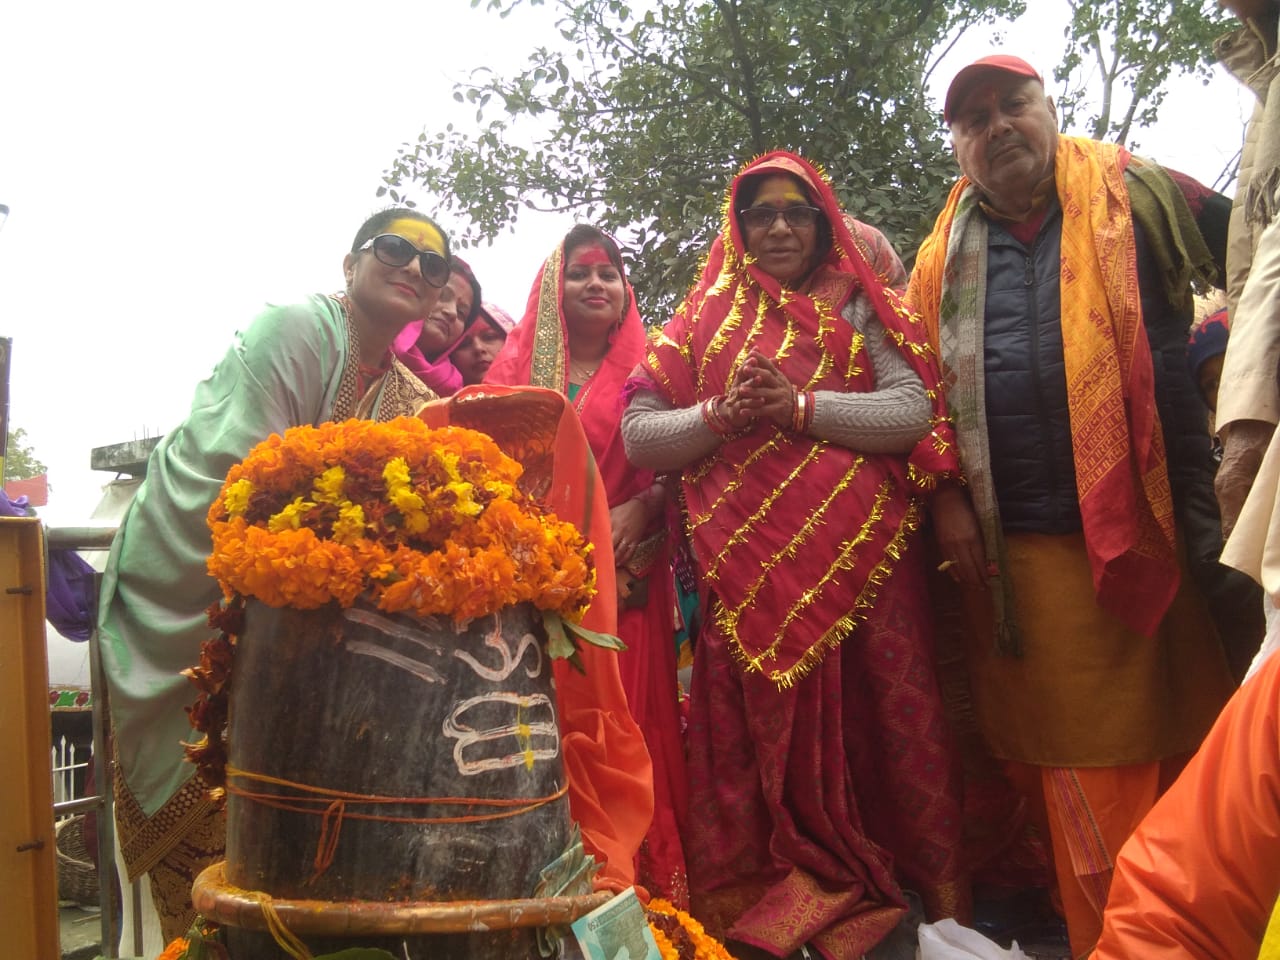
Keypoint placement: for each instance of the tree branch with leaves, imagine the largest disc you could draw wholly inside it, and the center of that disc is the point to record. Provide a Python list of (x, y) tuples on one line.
[(1136, 47), (640, 120)]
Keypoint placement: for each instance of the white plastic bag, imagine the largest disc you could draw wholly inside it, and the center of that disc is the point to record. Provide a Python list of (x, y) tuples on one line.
[(947, 940)]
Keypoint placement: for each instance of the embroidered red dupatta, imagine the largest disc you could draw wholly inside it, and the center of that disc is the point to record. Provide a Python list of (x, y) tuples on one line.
[(794, 535)]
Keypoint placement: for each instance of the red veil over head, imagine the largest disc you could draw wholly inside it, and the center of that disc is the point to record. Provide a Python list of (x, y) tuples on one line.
[(794, 535)]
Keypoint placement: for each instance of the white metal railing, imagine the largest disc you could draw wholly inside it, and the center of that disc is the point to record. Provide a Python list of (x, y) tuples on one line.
[(67, 758)]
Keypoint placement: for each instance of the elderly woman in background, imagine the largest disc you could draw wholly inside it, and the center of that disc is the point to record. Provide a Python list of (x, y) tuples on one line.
[(426, 345), (481, 344), (793, 390), (581, 335), (327, 358)]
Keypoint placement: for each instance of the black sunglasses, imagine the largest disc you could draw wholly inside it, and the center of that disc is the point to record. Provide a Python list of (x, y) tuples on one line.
[(396, 251), (762, 218)]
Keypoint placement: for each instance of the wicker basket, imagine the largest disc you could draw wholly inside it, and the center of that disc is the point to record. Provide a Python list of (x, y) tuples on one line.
[(77, 876)]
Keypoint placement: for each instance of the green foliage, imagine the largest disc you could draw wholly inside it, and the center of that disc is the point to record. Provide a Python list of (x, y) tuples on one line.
[(638, 123), (20, 461), (1130, 49)]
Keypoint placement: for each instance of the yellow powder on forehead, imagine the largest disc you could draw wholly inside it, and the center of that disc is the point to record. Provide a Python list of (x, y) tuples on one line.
[(779, 187), (418, 232)]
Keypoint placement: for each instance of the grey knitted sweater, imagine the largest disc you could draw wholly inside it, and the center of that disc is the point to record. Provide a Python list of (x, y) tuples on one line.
[(889, 419)]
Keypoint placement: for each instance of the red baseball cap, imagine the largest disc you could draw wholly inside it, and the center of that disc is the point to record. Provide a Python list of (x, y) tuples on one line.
[(966, 78)]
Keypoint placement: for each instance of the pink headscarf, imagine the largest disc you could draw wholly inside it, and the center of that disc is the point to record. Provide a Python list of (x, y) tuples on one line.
[(496, 317), (439, 374)]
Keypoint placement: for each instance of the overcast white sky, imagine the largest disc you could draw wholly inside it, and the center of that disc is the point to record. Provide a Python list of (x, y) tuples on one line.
[(172, 166)]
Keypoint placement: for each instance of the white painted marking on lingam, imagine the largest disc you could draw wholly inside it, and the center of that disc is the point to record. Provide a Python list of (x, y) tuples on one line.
[(468, 736), (423, 671), (395, 629), (510, 661)]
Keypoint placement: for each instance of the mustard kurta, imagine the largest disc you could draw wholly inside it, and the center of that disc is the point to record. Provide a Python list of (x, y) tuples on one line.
[(1087, 691)]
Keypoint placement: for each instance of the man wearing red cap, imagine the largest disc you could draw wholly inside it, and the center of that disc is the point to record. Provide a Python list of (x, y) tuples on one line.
[(1057, 287)]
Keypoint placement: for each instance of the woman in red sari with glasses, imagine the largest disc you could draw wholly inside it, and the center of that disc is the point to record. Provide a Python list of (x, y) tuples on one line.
[(798, 397), (581, 335)]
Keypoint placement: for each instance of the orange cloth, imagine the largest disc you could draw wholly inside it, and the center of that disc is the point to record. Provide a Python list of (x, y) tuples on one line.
[(1200, 876), (1088, 813), (537, 354), (610, 776), (1125, 502)]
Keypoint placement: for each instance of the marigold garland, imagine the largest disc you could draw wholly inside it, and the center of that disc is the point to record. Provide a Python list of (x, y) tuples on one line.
[(681, 937), (418, 520)]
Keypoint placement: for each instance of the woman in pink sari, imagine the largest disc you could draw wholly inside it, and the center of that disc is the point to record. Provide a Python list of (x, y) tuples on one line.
[(425, 345), (799, 399), (581, 334)]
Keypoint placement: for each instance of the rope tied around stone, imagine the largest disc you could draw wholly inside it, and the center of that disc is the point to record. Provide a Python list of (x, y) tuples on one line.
[(331, 806)]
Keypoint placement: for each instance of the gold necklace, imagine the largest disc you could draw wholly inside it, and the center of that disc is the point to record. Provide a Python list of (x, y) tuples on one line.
[(582, 372)]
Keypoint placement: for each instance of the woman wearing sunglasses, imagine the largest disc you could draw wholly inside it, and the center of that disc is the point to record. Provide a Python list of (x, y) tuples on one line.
[(581, 335), (790, 391), (427, 345), (326, 358)]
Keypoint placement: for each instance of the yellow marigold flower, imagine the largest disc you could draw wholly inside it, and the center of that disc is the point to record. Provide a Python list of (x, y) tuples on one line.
[(449, 461), (500, 488), (396, 473), (290, 517), (236, 499), (414, 520), (328, 488), (349, 527), (405, 500), (464, 505)]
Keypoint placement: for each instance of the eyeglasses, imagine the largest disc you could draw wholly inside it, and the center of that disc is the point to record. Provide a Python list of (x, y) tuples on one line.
[(762, 218), (396, 251)]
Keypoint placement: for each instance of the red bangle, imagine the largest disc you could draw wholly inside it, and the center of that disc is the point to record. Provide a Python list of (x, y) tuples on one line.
[(802, 412), (712, 418)]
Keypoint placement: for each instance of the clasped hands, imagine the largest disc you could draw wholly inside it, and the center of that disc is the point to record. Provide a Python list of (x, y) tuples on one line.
[(759, 390)]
